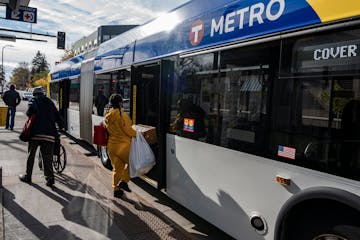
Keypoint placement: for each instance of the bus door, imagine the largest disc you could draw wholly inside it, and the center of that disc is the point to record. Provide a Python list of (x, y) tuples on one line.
[(148, 108)]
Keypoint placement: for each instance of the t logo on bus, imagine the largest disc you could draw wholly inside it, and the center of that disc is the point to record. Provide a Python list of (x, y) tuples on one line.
[(196, 32)]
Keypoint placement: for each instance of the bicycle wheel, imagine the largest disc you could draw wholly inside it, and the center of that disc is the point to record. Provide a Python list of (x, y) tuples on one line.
[(59, 161)]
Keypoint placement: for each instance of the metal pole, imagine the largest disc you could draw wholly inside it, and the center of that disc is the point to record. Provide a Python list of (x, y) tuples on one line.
[(2, 63)]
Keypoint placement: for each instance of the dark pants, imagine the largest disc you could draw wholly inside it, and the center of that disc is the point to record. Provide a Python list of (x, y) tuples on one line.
[(46, 149), (10, 116)]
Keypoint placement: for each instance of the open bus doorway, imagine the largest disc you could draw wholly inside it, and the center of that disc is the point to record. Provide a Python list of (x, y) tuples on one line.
[(148, 108)]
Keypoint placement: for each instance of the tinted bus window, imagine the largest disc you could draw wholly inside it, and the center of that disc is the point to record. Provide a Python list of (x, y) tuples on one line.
[(195, 102), (316, 104), (74, 94), (245, 78), (54, 92), (107, 84), (233, 98)]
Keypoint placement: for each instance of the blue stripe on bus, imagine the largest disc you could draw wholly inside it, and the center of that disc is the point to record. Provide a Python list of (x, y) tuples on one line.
[(295, 14)]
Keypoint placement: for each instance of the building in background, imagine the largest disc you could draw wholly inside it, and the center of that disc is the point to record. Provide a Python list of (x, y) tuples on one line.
[(102, 34)]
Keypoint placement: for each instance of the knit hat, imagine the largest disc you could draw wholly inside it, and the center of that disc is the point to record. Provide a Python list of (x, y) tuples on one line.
[(38, 90)]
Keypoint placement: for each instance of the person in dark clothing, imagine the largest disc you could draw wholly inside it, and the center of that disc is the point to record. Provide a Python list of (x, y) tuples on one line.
[(350, 124), (190, 120), (43, 133), (12, 99), (100, 103)]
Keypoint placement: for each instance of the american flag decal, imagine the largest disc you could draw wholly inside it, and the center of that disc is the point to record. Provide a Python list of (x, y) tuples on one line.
[(286, 152)]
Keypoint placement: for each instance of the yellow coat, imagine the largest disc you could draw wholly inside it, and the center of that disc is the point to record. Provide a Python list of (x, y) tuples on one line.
[(118, 125)]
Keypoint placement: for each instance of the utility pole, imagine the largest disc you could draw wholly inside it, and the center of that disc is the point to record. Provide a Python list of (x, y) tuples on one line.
[(2, 66)]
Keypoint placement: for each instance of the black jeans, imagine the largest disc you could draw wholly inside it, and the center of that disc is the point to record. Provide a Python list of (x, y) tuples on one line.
[(10, 117), (46, 149)]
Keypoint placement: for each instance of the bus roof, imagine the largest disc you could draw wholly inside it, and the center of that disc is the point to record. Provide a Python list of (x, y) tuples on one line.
[(202, 24)]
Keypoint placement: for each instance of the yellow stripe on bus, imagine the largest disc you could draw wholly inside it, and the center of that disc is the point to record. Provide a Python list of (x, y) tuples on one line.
[(330, 10)]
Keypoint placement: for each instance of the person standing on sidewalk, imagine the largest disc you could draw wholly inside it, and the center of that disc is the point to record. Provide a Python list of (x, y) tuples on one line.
[(11, 98), (43, 133), (118, 125)]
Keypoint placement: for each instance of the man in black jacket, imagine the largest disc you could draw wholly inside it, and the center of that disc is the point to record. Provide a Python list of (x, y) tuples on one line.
[(12, 99), (43, 132)]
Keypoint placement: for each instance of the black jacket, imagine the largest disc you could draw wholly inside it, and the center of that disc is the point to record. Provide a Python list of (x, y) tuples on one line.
[(11, 98), (46, 116)]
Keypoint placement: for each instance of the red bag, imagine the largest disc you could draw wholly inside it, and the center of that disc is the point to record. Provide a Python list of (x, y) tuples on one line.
[(100, 135), (25, 134)]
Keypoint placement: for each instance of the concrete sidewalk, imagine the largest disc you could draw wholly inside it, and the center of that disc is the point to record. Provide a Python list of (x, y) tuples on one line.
[(81, 205)]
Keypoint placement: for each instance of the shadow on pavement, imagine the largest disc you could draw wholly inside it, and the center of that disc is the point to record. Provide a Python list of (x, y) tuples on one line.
[(201, 224), (30, 223), (9, 142), (108, 216)]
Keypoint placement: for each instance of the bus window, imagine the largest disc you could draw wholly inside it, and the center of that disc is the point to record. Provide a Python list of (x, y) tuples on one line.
[(196, 111), (54, 92), (245, 74), (74, 94), (315, 109), (233, 98), (320, 120), (107, 84)]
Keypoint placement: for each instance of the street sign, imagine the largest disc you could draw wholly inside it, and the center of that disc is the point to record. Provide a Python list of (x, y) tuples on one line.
[(61, 40), (23, 14)]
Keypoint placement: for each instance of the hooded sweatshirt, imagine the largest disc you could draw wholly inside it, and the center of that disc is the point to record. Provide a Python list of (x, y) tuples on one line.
[(118, 125)]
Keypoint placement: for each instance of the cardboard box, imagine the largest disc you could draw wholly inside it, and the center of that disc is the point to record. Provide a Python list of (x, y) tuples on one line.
[(150, 132)]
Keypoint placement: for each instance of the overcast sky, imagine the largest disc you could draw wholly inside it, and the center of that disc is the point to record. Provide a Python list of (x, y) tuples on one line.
[(77, 18)]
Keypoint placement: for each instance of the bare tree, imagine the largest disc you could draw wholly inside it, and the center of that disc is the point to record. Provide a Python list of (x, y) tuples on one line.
[(21, 76)]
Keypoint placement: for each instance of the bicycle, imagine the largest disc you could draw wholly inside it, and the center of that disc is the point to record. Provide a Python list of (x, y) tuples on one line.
[(59, 157)]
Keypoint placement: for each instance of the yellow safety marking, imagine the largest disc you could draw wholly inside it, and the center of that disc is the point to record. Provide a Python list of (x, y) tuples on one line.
[(330, 10), (134, 105)]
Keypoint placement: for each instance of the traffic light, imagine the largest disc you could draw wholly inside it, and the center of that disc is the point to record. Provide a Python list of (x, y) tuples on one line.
[(61, 40)]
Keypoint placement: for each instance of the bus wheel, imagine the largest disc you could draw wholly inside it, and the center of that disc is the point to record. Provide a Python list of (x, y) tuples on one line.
[(329, 237), (324, 220)]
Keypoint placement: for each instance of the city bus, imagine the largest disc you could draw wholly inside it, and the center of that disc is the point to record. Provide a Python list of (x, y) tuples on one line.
[(256, 105)]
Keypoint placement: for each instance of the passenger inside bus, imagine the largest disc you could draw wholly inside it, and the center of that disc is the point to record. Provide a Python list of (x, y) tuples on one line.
[(350, 124), (100, 102), (190, 120)]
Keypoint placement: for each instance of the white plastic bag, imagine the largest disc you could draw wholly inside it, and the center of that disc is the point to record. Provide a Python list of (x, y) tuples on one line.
[(141, 157)]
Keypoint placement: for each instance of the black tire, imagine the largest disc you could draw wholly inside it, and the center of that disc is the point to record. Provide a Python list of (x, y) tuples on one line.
[(322, 222), (105, 159), (59, 161)]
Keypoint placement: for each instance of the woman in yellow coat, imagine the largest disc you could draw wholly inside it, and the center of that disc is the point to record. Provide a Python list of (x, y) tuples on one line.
[(118, 125)]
